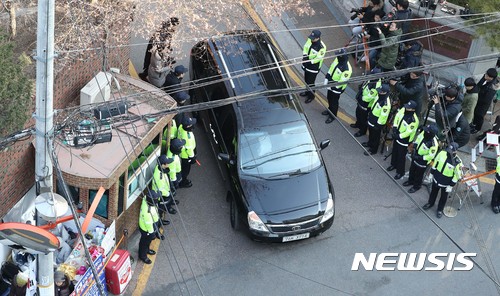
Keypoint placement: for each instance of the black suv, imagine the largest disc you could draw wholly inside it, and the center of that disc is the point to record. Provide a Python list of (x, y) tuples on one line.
[(278, 184)]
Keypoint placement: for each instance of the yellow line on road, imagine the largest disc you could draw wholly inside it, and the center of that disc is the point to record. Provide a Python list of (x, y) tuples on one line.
[(293, 74), (144, 274), (131, 69)]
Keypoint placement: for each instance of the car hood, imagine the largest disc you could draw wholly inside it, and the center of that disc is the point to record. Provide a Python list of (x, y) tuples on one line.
[(287, 200)]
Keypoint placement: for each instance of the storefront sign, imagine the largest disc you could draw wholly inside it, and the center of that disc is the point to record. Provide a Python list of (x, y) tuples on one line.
[(87, 286)]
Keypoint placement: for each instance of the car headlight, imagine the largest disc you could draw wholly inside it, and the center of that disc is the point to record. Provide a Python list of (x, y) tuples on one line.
[(330, 210), (255, 223)]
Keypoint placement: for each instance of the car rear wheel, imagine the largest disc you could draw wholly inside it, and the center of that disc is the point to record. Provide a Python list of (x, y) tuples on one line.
[(234, 212)]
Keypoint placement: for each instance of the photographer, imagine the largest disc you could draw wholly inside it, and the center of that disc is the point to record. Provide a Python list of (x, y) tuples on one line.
[(389, 51), (403, 13), (411, 88), (365, 15), (411, 55), (446, 112)]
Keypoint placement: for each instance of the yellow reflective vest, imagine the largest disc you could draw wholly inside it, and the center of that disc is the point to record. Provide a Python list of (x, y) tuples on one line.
[(161, 182), (337, 75), (147, 217), (188, 150), (315, 57)]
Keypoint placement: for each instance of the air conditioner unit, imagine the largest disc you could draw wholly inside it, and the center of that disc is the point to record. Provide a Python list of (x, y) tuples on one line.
[(97, 90)]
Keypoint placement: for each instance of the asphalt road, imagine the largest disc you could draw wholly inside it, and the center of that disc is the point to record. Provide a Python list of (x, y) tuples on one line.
[(204, 256)]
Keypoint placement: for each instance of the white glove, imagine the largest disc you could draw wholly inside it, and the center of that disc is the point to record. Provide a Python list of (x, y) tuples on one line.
[(325, 82), (449, 189)]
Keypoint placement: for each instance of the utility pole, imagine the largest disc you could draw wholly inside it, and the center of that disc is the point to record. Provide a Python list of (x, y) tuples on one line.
[(44, 114)]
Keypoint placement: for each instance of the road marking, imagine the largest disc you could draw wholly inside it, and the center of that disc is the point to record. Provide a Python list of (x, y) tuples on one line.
[(131, 70), (291, 72), (144, 274)]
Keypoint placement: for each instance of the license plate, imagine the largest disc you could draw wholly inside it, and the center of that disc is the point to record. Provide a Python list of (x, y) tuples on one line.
[(295, 237)]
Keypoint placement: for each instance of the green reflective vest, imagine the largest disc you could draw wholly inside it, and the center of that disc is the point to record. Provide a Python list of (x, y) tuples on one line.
[(175, 167), (421, 148), (338, 75), (147, 217), (173, 131), (407, 130), (444, 165), (161, 182), (382, 112), (497, 176), (370, 95), (188, 150), (315, 57)]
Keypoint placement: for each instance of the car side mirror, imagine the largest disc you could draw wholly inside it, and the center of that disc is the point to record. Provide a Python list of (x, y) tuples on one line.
[(324, 144), (226, 158)]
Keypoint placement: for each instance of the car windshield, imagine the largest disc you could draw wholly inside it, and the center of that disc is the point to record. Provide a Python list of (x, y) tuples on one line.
[(278, 149)]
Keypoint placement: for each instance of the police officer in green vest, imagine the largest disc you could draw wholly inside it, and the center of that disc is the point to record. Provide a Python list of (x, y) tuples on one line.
[(340, 71), (377, 118), (424, 149), (188, 152), (366, 98), (161, 183), (313, 54), (446, 171), (495, 196), (404, 129), (175, 148), (148, 225)]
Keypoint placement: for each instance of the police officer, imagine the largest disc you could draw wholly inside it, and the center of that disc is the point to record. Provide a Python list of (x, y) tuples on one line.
[(404, 129), (175, 148), (313, 54), (377, 118), (366, 98), (495, 196), (188, 153), (148, 225), (446, 171), (424, 150), (161, 183), (340, 71), (174, 79)]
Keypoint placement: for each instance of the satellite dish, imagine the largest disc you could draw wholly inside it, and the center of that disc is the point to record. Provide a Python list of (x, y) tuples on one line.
[(50, 206), (28, 238)]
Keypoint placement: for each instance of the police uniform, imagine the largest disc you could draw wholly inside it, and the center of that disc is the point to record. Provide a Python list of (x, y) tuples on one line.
[(377, 118), (446, 171), (495, 196), (161, 183), (313, 54), (175, 148), (340, 71), (366, 98), (187, 155), (173, 79), (148, 225), (425, 148), (404, 128)]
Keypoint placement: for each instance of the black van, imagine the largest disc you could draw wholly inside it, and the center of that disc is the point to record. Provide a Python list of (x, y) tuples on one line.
[(278, 186)]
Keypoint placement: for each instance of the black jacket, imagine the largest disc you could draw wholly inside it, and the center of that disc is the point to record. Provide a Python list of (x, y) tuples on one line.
[(172, 82), (486, 92), (411, 89), (461, 131), (451, 110)]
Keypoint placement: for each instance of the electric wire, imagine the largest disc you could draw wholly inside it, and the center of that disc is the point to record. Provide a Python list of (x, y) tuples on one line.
[(150, 168), (271, 32)]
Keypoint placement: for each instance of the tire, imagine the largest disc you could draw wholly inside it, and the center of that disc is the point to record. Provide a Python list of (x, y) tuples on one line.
[(234, 213)]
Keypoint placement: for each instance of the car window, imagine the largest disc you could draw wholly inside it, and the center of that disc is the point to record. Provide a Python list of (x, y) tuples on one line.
[(277, 149)]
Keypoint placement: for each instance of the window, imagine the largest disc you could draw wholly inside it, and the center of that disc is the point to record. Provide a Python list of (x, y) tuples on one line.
[(121, 195), (102, 207), (74, 191)]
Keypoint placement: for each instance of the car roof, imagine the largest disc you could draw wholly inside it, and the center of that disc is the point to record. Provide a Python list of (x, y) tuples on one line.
[(243, 52)]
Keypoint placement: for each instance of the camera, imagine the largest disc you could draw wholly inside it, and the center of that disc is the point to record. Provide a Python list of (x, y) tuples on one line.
[(356, 11)]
